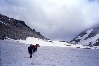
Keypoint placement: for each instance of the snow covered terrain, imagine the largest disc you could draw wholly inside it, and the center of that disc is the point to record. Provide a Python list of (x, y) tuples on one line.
[(15, 53), (90, 36)]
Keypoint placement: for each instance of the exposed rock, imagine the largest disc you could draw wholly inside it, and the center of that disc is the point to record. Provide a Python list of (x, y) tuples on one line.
[(16, 29), (89, 37)]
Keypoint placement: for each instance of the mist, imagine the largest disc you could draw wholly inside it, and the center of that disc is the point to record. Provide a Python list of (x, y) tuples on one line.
[(54, 19)]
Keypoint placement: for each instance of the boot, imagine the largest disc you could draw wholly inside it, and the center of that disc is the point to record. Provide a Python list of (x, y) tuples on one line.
[(30, 55)]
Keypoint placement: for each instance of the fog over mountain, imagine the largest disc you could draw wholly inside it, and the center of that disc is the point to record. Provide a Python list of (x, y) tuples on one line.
[(54, 19)]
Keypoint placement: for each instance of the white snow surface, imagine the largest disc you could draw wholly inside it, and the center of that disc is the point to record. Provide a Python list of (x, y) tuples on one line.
[(15, 53), (86, 35), (91, 39), (85, 42)]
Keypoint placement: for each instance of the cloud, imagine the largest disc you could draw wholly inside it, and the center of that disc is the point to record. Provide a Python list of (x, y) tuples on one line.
[(55, 19)]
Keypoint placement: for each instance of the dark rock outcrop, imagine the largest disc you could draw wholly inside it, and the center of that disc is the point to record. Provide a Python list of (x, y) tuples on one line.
[(16, 29)]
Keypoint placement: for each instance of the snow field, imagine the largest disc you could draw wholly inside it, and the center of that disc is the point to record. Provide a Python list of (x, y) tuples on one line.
[(16, 54)]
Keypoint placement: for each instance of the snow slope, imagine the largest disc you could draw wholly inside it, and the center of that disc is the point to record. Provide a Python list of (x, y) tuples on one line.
[(16, 54), (82, 39), (90, 36)]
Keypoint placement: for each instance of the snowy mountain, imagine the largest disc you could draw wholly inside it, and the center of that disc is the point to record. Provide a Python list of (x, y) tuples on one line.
[(16, 29), (88, 37)]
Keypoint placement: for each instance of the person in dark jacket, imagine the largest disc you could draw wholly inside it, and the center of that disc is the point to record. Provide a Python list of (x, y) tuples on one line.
[(33, 47), (30, 50)]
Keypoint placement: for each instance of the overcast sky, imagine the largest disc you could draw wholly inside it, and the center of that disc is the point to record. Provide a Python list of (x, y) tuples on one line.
[(54, 19)]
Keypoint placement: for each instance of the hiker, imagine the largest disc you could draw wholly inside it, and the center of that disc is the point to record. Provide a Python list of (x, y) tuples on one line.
[(33, 47), (30, 50), (36, 47)]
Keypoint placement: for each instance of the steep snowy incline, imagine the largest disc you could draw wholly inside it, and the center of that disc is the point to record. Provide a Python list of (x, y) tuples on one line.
[(16, 54)]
